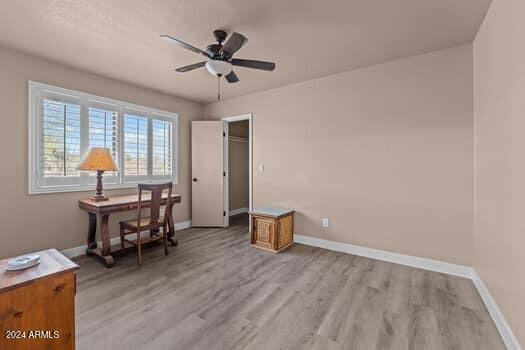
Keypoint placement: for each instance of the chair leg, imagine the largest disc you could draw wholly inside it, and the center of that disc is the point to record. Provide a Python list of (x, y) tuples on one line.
[(165, 239), (122, 243), (139, 249)]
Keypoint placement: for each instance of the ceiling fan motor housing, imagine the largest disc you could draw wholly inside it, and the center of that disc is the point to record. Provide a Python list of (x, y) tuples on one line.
[(214, 50)]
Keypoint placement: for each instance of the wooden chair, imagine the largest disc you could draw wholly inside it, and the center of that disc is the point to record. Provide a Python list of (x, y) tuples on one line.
[(153, 223)]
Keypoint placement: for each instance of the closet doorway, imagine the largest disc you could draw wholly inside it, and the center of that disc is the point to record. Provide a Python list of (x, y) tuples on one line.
[(238, 165)]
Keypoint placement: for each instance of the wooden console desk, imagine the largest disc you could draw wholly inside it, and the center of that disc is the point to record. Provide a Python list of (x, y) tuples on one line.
[(102, 210)]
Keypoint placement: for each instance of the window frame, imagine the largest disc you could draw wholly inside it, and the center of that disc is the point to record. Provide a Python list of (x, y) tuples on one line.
[(39, 91)]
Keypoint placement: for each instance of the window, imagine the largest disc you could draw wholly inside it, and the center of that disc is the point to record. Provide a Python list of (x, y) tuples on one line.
[(65, 124)]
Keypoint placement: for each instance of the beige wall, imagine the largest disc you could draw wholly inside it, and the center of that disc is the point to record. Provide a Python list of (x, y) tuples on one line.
[(384, 152), (499, 127), (32, 222)]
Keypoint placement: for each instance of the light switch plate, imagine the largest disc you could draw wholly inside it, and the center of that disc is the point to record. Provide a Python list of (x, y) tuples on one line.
[(324, 222), (261, 168)]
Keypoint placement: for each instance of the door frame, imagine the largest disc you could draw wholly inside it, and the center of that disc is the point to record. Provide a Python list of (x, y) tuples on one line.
[(249, 118)]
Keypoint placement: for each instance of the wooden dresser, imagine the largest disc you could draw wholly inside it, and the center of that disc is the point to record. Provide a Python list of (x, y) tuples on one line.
[(37, 305), (272, 228)]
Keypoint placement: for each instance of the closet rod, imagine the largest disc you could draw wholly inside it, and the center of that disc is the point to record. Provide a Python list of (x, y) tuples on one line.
[(237, 139)]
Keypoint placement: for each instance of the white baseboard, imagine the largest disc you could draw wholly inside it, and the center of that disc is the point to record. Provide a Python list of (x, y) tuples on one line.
[(239, 211), (81, 250), (183, 225), (413, 261), (426, 264), (503, 327)]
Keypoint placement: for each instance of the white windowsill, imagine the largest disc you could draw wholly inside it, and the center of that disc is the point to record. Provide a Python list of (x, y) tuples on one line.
[(87, 188)]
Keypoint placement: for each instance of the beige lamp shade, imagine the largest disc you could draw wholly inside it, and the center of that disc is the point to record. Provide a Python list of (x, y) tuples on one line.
[(99, 159)]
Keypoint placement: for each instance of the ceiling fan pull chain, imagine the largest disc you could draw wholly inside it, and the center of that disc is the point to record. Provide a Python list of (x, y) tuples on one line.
[(218, 87)]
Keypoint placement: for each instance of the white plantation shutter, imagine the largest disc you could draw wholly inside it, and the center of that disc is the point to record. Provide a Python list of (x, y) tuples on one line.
[(59, 146), (65, 124), (135, 146), (103, 132), (162, 147)]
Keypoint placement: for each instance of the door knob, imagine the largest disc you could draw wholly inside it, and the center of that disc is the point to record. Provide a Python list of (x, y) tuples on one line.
[(194, 179)]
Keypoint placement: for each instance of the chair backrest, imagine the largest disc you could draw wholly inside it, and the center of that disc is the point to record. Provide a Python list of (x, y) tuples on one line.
[(156, 200)]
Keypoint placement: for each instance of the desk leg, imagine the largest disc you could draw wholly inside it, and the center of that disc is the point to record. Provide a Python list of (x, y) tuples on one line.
[(105, 252), (104, 234), (106, 242), (92, 231), (171, 226)]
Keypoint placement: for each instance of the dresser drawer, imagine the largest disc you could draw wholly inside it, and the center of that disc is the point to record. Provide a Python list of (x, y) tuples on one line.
[(45, 306)]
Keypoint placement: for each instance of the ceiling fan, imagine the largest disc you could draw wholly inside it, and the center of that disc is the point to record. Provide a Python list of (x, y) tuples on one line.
[(220, 59)]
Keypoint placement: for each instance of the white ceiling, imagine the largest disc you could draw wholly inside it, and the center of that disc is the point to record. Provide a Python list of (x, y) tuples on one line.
[(306, 38)]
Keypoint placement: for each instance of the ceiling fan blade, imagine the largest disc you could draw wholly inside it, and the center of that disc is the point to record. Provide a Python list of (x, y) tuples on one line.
[(232, 77), (262, 65), (233, 44), (172, 40), (191, 67)]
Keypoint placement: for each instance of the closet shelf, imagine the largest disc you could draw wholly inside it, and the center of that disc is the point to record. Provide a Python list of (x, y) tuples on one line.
[(237, 139)]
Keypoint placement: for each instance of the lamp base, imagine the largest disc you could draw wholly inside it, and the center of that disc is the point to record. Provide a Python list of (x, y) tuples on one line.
[(99, 198), (99, 194)]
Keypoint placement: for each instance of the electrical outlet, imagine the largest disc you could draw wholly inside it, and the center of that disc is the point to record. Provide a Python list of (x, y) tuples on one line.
[(324, 222)]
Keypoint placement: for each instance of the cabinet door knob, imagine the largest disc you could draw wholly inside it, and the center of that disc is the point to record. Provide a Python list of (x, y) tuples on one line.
[(194, 179), (60, 288)]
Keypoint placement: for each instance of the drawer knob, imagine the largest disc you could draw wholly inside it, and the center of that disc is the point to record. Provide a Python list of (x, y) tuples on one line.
[(18, 314), (60, 288)]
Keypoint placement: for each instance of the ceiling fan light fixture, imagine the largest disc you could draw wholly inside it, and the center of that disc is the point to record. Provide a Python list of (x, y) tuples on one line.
[(218, 67)]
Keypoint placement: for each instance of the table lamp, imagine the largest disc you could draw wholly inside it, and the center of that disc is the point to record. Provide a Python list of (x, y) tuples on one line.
[(98, 159)]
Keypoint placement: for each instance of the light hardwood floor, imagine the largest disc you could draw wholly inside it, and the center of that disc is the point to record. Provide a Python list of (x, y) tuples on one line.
[(214, 291)]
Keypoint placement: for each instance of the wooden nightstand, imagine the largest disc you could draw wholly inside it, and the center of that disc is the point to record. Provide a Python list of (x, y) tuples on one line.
[(272, 228), (37, 305)]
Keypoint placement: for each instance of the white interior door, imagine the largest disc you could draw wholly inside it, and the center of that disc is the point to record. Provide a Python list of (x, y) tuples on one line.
[(208, 174)]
